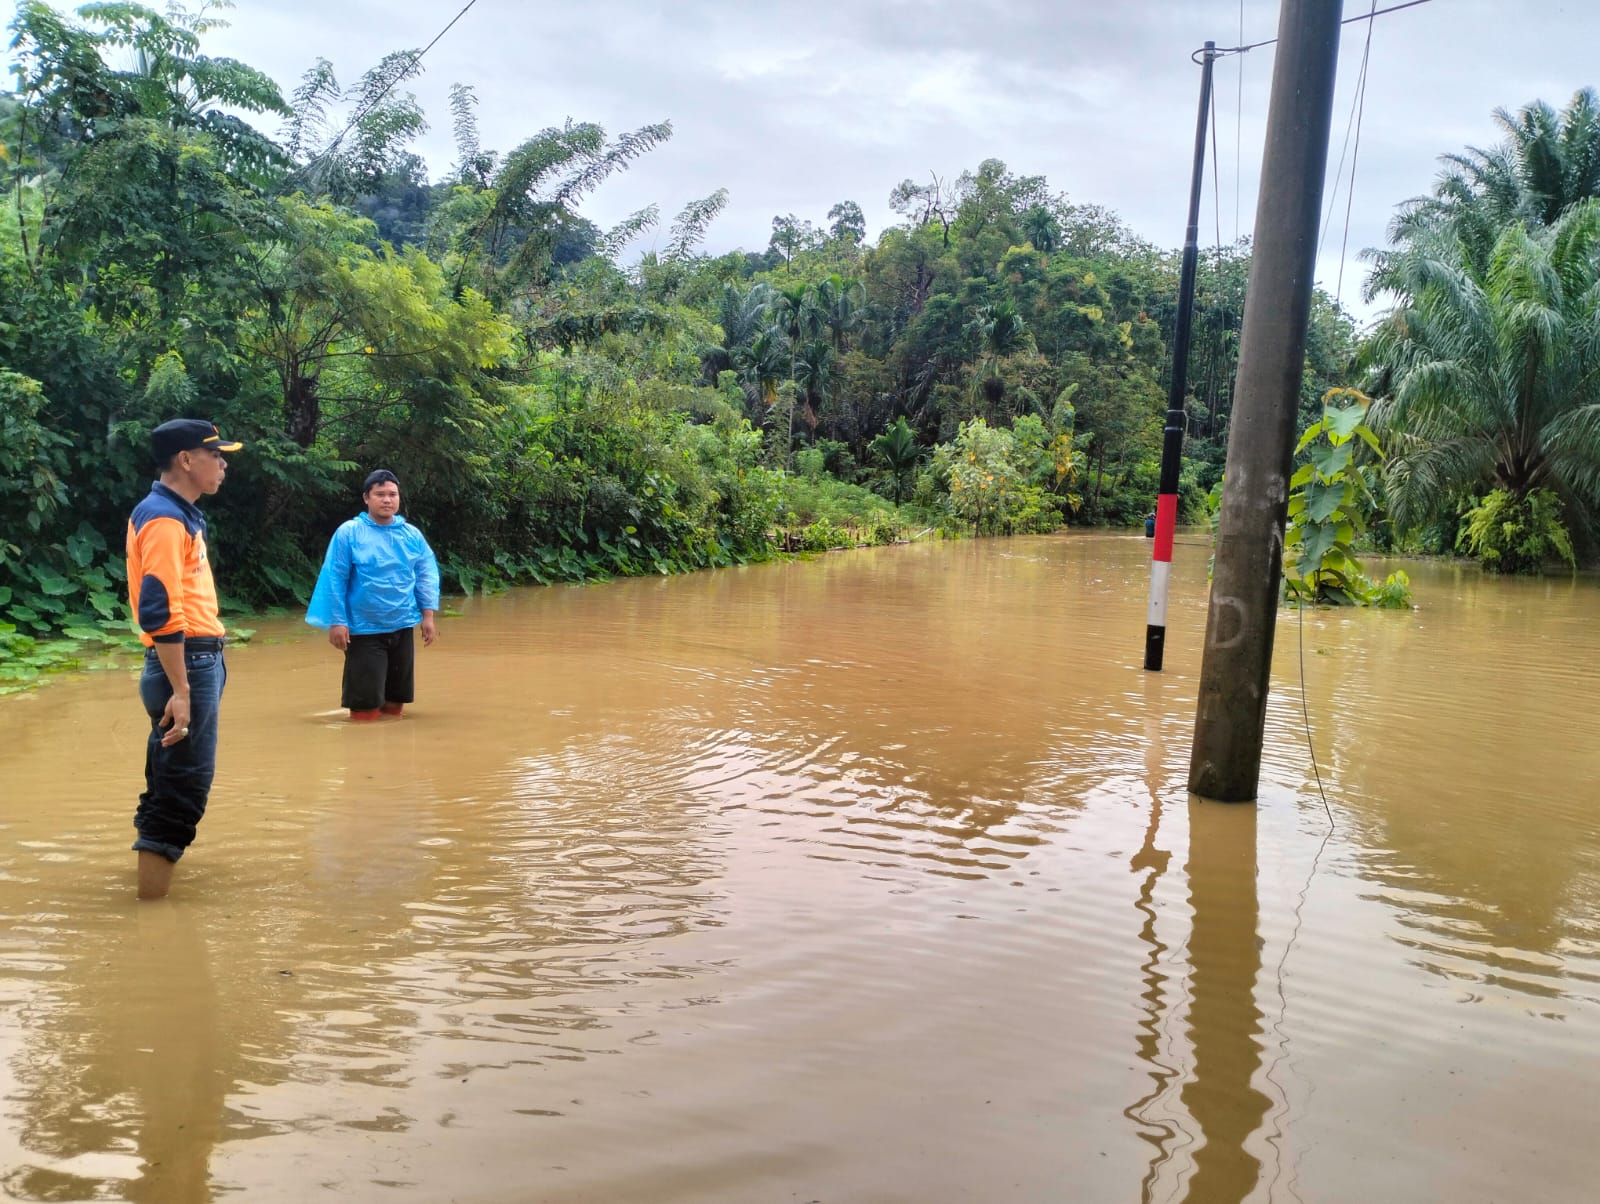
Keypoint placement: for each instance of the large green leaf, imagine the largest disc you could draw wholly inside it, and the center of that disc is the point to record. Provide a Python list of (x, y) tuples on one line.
[(1316, 540), (53, 583), (81, 550), (1323, 499), (1343, 421), (1311, 433), (1331, 461)]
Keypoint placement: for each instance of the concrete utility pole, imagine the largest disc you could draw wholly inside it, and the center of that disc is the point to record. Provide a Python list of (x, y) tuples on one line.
[(1225, 763)]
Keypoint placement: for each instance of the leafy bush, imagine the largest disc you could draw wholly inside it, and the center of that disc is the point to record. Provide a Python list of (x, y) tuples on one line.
[(1508, 534), (822, 535), (989, 483)]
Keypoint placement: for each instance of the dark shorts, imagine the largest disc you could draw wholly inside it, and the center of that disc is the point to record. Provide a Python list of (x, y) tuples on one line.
[(177, 780), (379, 669)]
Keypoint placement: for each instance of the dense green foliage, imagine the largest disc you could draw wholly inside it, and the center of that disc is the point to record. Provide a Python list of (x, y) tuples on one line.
[(1509, 534), (1488, 367), (995, 363)]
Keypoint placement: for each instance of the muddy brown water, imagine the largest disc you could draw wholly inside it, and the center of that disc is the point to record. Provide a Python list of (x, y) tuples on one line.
[(866, 879)]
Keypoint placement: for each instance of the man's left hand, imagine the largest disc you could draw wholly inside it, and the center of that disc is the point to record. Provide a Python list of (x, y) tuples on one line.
[(430, 632)]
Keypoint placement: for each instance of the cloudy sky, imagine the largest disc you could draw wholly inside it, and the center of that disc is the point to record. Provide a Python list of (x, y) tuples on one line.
[(794, 106)]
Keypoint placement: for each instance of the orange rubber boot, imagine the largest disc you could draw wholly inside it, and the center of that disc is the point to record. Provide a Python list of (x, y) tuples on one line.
[(363, 716)]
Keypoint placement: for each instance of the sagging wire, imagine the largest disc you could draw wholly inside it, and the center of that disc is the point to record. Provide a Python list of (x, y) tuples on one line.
[(372, 104), (1377, 12)]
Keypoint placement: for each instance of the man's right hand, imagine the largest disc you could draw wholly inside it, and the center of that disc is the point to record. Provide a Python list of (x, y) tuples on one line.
[(174, 722), (339, 636)]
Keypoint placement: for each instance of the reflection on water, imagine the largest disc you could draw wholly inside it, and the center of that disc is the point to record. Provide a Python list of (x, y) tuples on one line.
[(866, 878), (1224, 1021)]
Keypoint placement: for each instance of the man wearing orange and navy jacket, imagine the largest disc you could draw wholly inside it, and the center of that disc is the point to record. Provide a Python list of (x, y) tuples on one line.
[(174, 602)]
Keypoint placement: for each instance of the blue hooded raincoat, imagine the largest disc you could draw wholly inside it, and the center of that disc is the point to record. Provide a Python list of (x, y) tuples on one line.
[(376, 578)]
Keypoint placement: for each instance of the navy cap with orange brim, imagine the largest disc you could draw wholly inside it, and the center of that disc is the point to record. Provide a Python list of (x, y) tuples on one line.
[(189, 434)]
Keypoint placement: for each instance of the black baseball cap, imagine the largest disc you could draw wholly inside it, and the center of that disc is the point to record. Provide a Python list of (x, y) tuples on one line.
[(188, 434)]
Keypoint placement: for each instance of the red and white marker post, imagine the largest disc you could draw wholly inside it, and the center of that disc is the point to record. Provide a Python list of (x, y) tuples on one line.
[(1155, 633)]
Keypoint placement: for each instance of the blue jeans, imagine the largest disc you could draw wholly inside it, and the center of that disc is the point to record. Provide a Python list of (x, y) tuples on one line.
[(178, 779)]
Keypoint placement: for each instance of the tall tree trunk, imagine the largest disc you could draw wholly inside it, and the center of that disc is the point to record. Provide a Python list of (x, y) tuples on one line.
[(303, 409)]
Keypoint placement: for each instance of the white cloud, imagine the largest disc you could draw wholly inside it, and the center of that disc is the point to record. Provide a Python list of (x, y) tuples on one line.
[(794, 106)]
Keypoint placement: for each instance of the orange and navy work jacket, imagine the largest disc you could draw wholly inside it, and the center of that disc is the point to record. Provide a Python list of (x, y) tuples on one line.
[(169, 576)]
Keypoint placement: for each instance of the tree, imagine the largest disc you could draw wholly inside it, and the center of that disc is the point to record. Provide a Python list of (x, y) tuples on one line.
[(920, 204), (841, 304), (1000, 333), (741, 314), (376, 324), (847, 223), (791, 235), (502, 239), (1119, 407), (689, 227), (989, 486), (1042, 229), (898, 449), (146, 177), (1492, 375), (813, 371), (371, 144), (1546, 163)]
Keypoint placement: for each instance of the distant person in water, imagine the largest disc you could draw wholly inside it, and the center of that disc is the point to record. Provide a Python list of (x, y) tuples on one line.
[(174, 602), (378, 581)]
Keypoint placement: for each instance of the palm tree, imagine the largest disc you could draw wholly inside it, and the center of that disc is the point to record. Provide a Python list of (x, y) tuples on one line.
[(814, 373), (760, 364), (1492, 374), (795, 308), (741, 314), (1547, 162), (842, 303), (1041, 228), (1001, 333), (800, 318), (898, 449)]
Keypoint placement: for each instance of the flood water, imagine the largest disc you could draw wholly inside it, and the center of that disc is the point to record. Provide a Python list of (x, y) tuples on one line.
[(871, 878)]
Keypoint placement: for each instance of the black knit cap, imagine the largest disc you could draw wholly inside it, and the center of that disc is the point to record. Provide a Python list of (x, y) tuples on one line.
[(377, 477)]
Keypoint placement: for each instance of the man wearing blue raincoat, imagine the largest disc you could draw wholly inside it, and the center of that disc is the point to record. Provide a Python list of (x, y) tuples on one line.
[(378, 581)]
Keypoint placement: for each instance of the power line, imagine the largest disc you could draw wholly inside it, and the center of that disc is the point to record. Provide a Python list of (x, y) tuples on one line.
[(1238, 130), (1222, 50), (372, 104), (1216, 186), (1355, 156), (1344, 149)]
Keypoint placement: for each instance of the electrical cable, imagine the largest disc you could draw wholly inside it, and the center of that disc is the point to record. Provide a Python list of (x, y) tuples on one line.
[(1355, 157), (1220, 51), (1238, 130), (1216, 186), (376, 100)]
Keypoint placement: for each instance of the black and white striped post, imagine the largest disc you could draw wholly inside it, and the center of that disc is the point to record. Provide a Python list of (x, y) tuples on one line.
[(1155, 632)]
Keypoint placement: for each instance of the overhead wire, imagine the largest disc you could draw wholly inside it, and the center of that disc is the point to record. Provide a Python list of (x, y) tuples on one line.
[(372, 104), (1238, 130), (1355, 157), (1379, 12), (1216, 187)]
